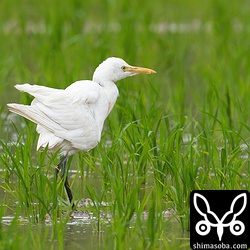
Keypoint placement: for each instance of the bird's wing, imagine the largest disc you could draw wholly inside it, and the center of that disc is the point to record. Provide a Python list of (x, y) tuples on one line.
[(39, 92), (68, 114)]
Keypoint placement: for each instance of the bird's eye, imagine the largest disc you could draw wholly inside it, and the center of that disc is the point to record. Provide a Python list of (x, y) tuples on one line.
[(123, 68)]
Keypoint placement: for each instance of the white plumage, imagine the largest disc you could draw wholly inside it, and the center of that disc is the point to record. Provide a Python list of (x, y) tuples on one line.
[(72, 119)]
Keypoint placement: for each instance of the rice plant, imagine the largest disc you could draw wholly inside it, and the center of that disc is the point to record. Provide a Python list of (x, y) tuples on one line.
[(185, 128)]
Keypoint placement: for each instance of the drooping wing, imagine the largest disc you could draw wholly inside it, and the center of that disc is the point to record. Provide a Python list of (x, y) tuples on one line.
[(69, 113)]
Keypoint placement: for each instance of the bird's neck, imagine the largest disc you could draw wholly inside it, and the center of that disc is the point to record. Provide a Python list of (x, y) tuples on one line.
[(111, 91)]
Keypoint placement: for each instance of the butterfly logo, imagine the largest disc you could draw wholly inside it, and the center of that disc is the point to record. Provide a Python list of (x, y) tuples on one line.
[(203, 227)]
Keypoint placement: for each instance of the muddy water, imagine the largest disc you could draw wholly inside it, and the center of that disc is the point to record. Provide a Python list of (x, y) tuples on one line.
[(80, 233), (81, 230)]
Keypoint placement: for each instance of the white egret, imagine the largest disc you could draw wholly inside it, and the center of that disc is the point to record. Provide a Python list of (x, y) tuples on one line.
[(71, 119)]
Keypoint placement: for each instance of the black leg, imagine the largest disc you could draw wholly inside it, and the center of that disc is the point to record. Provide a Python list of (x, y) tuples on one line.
[(62, 164), (69, 192)]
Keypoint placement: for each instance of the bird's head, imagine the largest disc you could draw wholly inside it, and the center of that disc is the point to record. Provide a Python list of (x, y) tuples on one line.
[(114, 69)]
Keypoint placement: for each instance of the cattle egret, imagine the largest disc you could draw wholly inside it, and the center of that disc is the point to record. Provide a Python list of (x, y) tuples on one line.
[(71, 119)]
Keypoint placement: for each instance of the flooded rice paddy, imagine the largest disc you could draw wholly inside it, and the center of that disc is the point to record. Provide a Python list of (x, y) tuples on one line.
[(185, 128), (82, 229)]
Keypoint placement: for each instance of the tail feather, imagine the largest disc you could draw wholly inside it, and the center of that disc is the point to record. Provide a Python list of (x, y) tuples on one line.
[(20, 109), (47, 137), (30, 113)]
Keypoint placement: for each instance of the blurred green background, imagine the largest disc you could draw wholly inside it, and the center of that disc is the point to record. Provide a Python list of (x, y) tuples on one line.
[(195, 46)]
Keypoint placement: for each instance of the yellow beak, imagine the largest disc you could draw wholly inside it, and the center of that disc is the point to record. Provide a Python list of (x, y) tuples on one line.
[(138, 70)]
